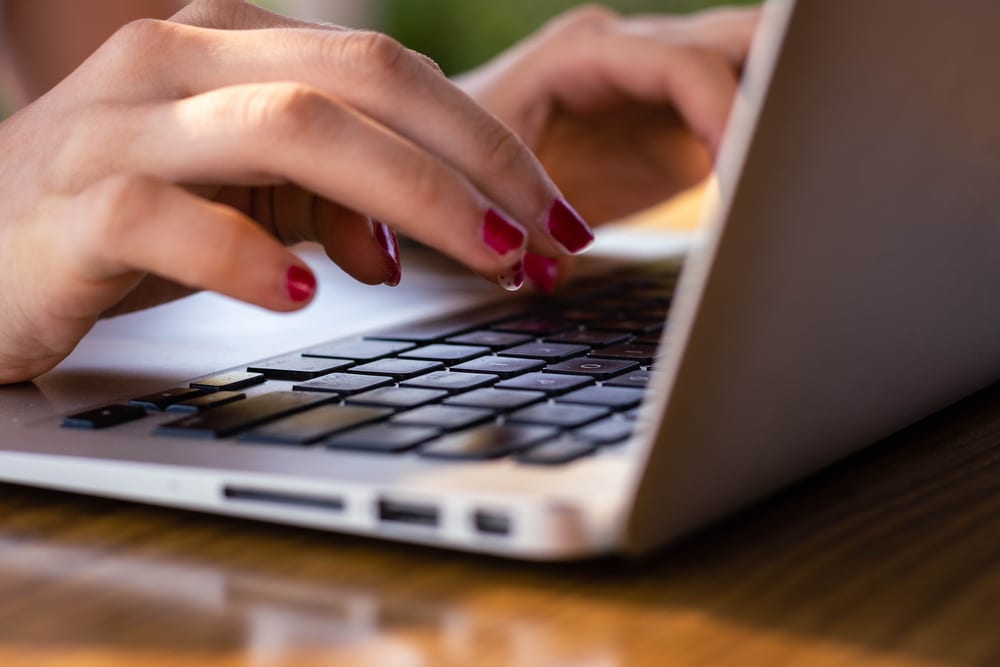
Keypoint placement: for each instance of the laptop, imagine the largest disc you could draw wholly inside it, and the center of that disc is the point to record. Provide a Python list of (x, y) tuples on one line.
[(842, 287)]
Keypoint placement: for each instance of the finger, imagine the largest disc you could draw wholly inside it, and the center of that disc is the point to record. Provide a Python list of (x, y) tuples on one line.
[(698, 83), (135, 224), (549, 274), (152, 291), (248, 16), (728, 31), (276, 133), (542, 272), (372, 74), (293, 215), (238, 15), (364, 249)]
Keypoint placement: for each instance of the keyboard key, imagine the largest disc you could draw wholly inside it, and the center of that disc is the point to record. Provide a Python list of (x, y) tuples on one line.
[(429, 332), (358, 350), (228, 381), (644, 354), (207, 401), (497, 399), (550, 383), (595, 368), (561, 415), (605, 432), (449, 354), (398, 369), (655, 312), (582, 315), (495, 340), (658, 297), (444, 417), (298, 368), (451, 382), (623, 303), (637, 379), (550, 352), (636, 326), (344, 384), (616, 398), (316, 424), (243, 415), (399, 398), (385, 438), (161, 400), (647, 339), (505, 367), (109, 415), (591, 338), (663, 286), (557, 452), (538, 326), (487, 442)]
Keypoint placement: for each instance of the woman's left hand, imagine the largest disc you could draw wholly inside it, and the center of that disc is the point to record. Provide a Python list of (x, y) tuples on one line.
[(623, 112)]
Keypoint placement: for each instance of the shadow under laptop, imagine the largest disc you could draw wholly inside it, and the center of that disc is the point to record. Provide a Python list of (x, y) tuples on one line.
[(889, 556)]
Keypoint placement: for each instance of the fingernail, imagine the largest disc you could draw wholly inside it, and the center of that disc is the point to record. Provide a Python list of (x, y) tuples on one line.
[(500, 234), (386, 239), (300, 283), (568, 228), (513, 279), (541, 271)]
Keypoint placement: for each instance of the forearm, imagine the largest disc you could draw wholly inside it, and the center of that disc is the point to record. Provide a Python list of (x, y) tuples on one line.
[(45, 41)]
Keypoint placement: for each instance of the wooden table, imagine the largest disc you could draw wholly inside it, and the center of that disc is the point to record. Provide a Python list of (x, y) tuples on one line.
[(890, 558)]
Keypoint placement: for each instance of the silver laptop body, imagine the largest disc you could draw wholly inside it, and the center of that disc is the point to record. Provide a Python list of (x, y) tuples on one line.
[(842, 289)]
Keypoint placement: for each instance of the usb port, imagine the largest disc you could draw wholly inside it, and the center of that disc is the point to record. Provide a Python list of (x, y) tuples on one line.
[(416, 514), (492, 523)]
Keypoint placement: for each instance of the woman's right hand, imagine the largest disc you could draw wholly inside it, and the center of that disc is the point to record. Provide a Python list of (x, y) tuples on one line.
[(185, 154)]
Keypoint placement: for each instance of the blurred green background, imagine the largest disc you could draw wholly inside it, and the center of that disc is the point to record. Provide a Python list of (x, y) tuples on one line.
[(460, 34)]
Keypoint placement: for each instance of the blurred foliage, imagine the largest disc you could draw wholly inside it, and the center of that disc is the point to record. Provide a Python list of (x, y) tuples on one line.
[(460, 34)]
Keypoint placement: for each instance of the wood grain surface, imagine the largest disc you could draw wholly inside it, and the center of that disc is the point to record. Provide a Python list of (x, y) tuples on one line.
[(889, 558)]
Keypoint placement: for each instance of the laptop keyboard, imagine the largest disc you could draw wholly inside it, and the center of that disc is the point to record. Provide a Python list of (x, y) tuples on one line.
[(558, 380)]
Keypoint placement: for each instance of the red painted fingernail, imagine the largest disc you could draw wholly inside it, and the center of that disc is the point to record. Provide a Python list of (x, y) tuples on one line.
[(300, 283), (501, 234), (568, 228), (542, 271), (513, 279), (386, 239)]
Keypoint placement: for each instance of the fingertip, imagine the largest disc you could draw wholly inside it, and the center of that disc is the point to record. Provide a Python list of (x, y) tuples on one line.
[(299, 285), (543, 272), (512, 279), (501, 235), (568, 228), (386, 239)]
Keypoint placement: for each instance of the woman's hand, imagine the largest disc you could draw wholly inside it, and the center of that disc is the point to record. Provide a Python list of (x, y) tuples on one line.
[(623, 112), (183, 155)]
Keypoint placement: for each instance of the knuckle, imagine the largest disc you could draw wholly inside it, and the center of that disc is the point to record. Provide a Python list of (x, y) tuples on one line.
[(587, 18), (366, 51), (142, 45), (287, 110), (114, 204), (139, 36), (505, 152), (507, 158)]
